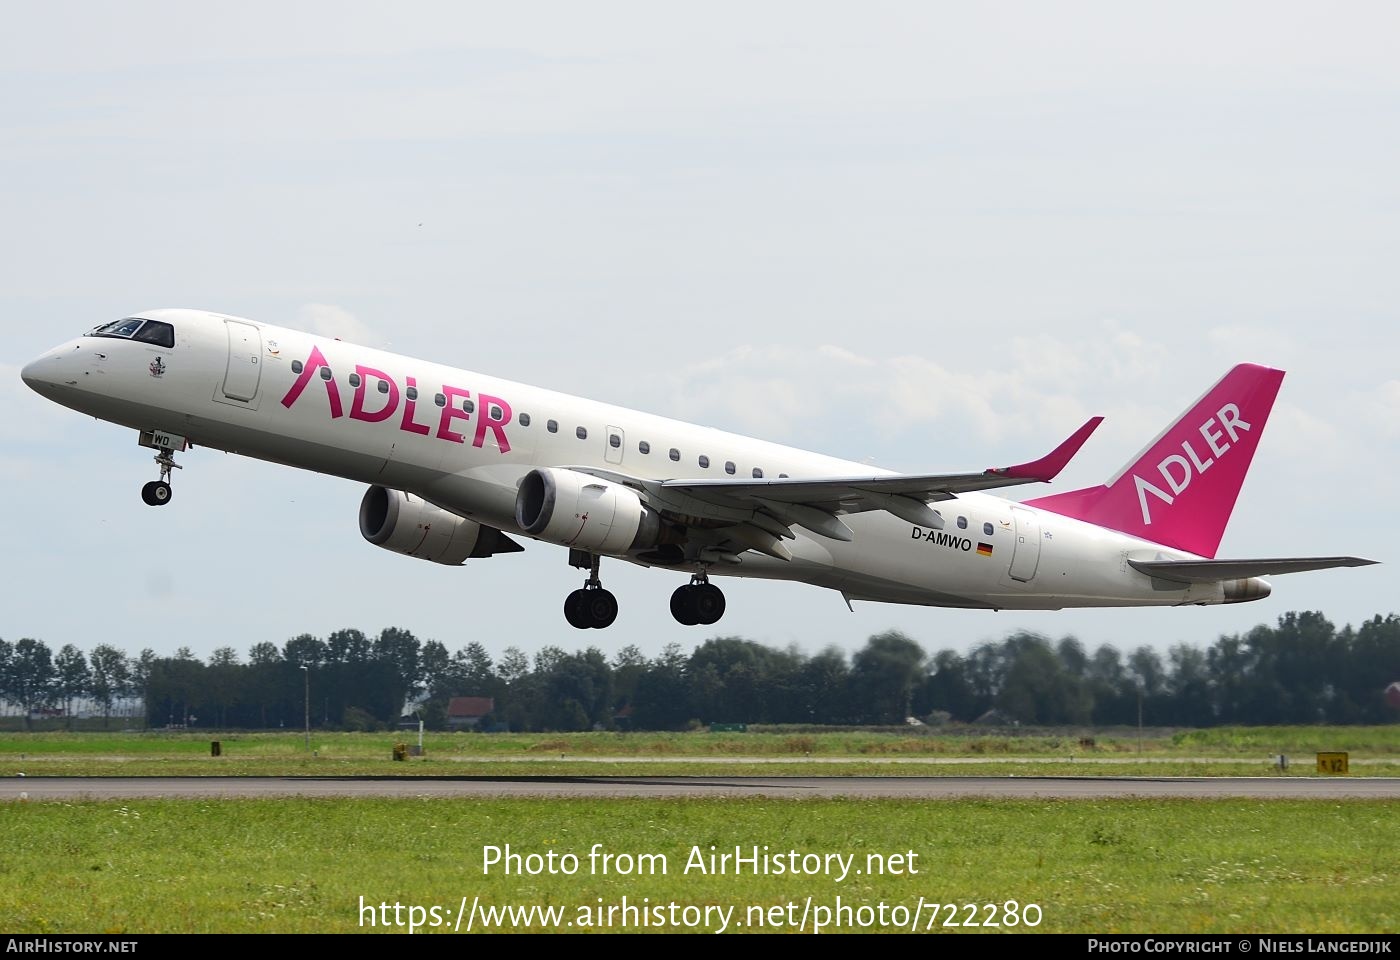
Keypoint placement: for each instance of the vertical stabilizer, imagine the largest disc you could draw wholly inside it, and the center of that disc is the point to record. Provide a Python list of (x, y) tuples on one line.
[(1180, 491)]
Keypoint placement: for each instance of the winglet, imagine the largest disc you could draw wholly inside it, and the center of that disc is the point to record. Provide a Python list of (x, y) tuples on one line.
[(1048, 466)]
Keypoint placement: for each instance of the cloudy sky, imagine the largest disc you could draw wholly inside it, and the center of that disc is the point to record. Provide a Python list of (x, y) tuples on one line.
[(931, 236)]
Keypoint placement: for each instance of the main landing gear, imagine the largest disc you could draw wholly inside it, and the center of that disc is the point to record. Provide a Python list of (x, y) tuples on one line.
[(157, 493), (698, 602), (592, 606)]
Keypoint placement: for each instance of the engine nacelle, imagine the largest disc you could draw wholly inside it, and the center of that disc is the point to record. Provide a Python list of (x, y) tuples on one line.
[(580, 511), (405, 524)]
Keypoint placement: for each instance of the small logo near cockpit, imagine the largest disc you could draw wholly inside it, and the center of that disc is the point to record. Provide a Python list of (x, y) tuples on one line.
[(272, 349), (157, 367)]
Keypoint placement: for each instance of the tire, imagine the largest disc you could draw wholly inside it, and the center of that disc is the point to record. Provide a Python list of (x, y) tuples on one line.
[(601, 606), (148, 495), (709, 603), (683, 606), (575, 612)]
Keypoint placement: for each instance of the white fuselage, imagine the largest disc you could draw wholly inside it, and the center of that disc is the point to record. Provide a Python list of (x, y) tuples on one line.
[(260, 390)]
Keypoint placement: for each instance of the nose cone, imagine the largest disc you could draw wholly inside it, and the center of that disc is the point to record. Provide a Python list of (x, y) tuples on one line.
[(32, 373), (48, 371)]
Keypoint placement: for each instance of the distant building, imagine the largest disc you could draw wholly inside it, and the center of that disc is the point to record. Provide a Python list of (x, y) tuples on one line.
[(622, 719), (469, 712)]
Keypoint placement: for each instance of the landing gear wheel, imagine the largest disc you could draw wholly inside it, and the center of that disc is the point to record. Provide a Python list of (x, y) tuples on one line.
[(683, 607), (157, 493), (574, 610), (698, 602), (708, 603), (601, 606), (592, 606)]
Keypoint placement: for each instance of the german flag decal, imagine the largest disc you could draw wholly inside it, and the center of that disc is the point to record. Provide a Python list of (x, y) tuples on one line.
[(984, 549)]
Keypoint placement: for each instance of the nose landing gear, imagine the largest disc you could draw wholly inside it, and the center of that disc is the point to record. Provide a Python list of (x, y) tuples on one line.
[(157, 493), (698, 602)]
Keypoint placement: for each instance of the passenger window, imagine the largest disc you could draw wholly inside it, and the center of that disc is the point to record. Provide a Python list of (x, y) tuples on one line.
[(383, 386), (729, 466), (614, 441), (962, 523), (783, 476), (412, 391), (440, 400), (757, 473), (644, 447), (469, 406), (524, 419), (552, 426), (354, 379), (325, 373), (497, 414), (675, 454), (296, 366), (581, 433), (704, 461), (986, 529)]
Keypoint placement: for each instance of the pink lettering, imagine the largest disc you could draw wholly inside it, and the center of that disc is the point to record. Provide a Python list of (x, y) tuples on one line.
[(409, 406), (451, 411), (316, 360), (357, 407), (491, 406), (493, 417)]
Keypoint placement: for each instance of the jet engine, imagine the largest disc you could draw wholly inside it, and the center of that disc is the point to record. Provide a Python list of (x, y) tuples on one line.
[(405, 524), (576, 510)]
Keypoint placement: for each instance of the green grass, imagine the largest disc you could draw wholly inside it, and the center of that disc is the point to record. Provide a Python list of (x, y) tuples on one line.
[(1365, 741), (1375, 751), (699, 767), (1092, 866), (1238, 742)]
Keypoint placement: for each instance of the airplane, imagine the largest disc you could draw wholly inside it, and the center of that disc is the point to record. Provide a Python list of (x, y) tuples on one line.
[(460, 465)]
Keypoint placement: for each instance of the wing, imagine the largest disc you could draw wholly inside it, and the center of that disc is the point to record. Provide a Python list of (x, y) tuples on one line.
[(1213, 571), (759, 514), (904, 495)]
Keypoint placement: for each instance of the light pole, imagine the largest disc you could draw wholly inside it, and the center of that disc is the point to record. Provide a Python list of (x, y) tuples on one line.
[(306, 672)]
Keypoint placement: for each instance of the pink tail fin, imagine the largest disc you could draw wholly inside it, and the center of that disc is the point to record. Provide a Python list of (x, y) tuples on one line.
[(1181, 490)]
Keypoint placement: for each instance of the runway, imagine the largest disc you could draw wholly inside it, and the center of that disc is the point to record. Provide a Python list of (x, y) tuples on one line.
[(929, 788)]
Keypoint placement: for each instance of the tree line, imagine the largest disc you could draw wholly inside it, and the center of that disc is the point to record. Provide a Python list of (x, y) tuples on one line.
[(1300, 670)]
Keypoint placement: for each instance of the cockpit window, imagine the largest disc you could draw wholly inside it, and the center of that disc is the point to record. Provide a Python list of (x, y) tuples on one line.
[(154, 331), (117, 328), (134, 328)]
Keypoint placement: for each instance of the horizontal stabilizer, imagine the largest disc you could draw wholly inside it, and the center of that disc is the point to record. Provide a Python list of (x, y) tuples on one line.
[(1214, 571)]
